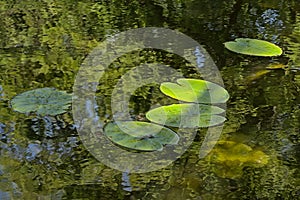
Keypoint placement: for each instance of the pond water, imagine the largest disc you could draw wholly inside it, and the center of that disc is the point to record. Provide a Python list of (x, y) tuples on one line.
[(43, 44)]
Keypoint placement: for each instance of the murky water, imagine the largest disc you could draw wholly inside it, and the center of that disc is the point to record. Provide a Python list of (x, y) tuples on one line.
[(43, 44)]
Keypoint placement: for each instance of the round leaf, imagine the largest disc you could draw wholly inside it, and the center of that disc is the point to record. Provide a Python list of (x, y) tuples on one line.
[(186, 115), (195, 90), (141, 136), (253, 47), (43, 101)]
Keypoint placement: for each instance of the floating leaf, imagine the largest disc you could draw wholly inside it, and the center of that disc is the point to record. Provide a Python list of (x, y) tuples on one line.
[(141, 136), (232, 157), (43, 101), (186, 115), (253, 47), (195, 90)]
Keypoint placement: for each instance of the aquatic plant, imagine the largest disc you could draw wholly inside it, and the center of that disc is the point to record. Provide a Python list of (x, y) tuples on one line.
[(141, 136), (195, 90), (42, 101), (231, 158), (146, 136), (186, 115), (253, 47)]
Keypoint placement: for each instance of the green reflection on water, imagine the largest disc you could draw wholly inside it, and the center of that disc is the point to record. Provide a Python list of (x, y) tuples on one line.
[(43, 43)]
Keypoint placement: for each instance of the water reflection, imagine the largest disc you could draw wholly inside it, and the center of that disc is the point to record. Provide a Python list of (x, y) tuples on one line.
[(42, 44)]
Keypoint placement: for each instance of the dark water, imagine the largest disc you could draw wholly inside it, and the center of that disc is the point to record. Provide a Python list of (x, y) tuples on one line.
[(43, 43)]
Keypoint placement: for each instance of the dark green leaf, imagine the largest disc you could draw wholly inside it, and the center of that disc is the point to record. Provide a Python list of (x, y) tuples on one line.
[(141, 136), (43, 101)]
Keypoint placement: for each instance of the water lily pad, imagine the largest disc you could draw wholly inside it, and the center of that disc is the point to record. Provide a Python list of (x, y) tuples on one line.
[(195, 90), (186, 115), (253, 47), (43, 101), (141, 136), (231, 157)]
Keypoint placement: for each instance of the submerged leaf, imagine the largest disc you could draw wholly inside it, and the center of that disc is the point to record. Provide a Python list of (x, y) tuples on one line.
[(232, 157), (195, 90), (276, 66), (141, 136), (186, 115), (43, 101), (253, 47)]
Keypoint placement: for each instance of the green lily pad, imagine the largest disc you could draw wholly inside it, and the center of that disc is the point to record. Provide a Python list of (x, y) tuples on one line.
[(186, 115), (43, 101), (231, 157), (195, 90), (141, 136), (253, 47)]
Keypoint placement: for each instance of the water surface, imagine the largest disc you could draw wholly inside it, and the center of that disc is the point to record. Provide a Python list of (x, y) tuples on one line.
[(43, 43)]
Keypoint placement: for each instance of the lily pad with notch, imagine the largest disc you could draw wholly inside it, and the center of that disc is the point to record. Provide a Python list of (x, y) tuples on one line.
[(195, 90), (253, 47), (187, 115), (43, 101), (142, 136)]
